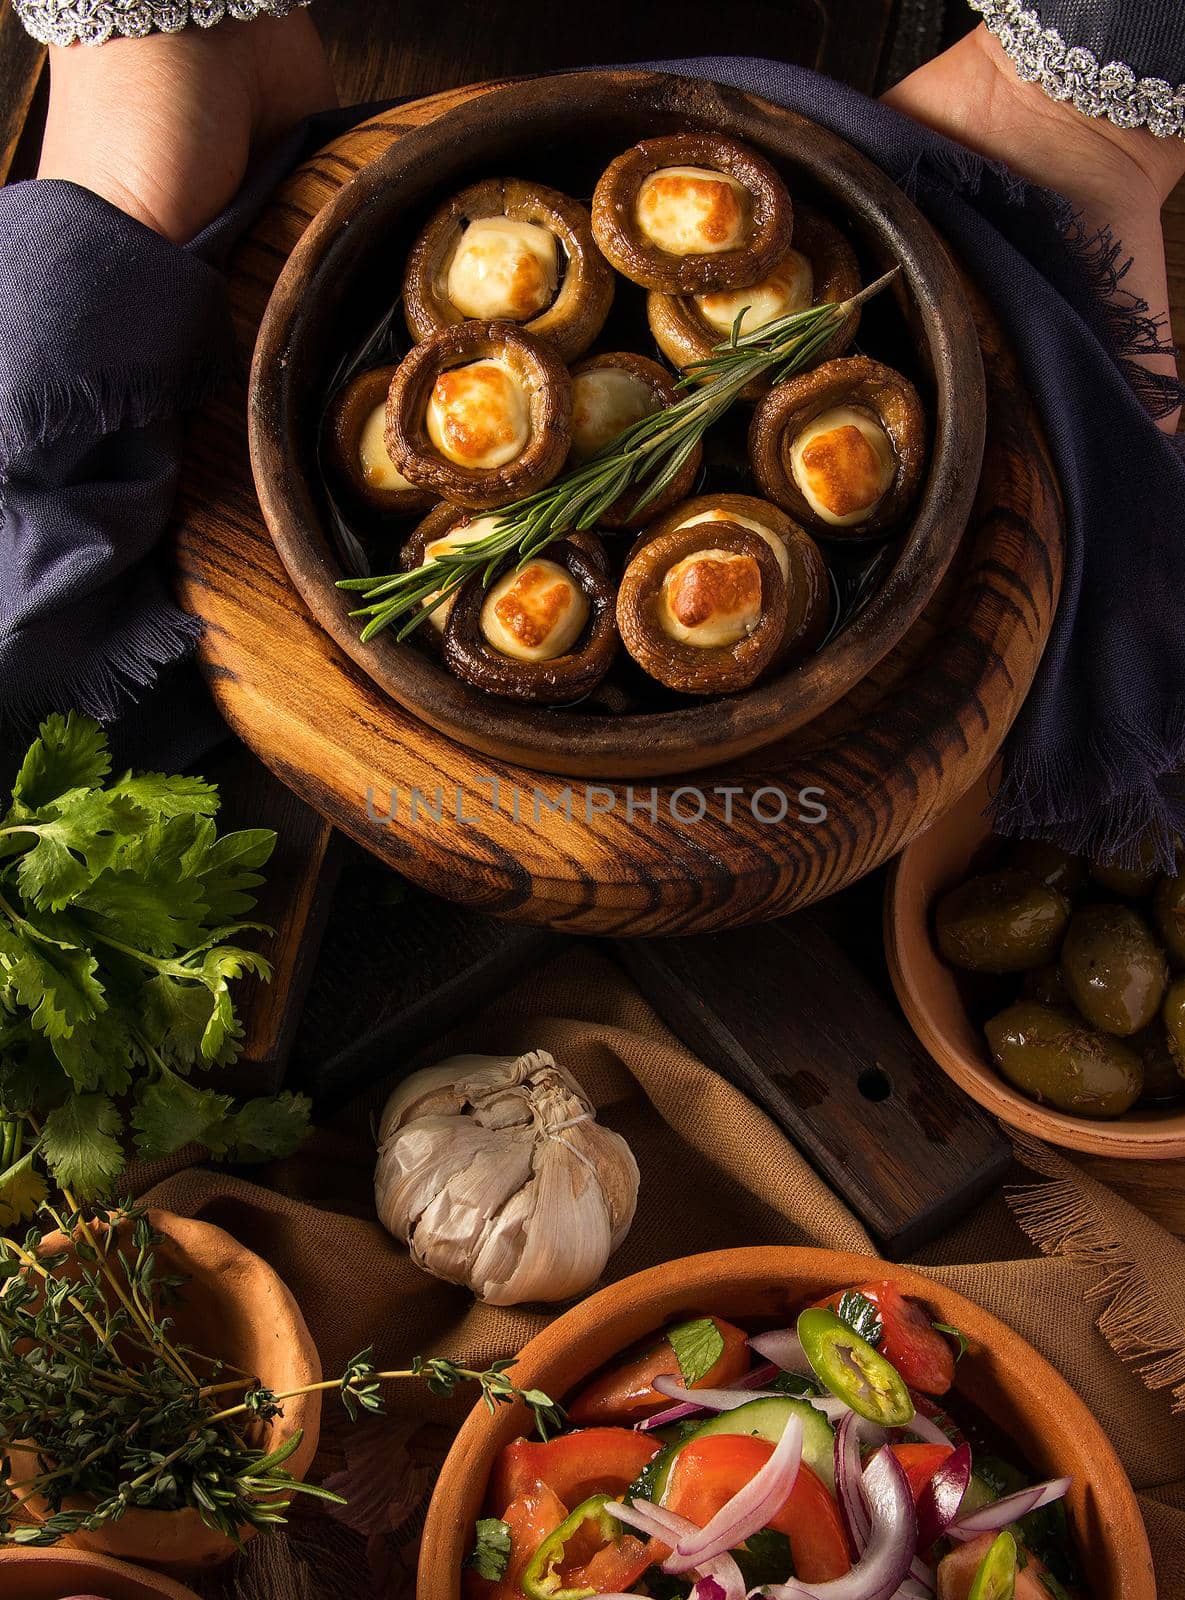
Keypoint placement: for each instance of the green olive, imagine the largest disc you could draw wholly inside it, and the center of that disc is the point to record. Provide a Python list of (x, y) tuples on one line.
[(1113, 969), (1174, 1022), (1130, 882), (1052, 1055), (1050, 864), (1044, 984), (1168, 911), (1164, 1080), (1001, 922)]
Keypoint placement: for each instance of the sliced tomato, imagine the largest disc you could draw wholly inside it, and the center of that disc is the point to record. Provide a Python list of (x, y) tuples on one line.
[(708, 1472), (574, 1466), (920, 1462), (531, 1518), (956, 1572), (626, 1392), (909, 1340)]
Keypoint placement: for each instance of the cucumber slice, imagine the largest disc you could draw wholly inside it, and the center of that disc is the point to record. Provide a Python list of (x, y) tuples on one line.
[(763, 1419)]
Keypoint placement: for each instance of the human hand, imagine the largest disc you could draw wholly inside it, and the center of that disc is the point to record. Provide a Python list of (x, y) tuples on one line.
[(163, 126), (1116, 177)]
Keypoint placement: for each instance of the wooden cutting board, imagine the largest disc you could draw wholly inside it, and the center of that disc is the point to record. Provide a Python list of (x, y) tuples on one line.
[(604, 859)]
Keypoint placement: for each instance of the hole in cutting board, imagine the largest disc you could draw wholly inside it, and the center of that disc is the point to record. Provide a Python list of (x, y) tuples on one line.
[(874, 1084)]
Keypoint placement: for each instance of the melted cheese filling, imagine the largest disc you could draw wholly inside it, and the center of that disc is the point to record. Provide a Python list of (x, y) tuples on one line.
[(789, 287), (710, 599), (379, 471), (536, 614), (605, 402), (770, 537), (479, 415), (466, 533), (691, 211), (503, 268), (843, 462)]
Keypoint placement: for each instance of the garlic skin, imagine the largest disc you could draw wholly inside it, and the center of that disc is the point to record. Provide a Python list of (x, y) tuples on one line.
[(496, 1174)]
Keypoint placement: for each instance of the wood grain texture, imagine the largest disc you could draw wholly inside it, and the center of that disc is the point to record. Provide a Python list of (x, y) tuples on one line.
[(21, 63), (783, 1014), (912, 737)]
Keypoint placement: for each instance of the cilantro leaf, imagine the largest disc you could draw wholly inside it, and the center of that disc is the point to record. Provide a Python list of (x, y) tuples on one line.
[(765, 1557), (171, 1113), (267, 1128), (227, 870), (174, 1016), (81, 1145), (149, 907), (490, 1555), (69, 752), (698, 1346), (56, 983), (956, 1334), (98, 1056), (218, 967), (74, 839), (165, 796), (861, 1315), (22, 1190)]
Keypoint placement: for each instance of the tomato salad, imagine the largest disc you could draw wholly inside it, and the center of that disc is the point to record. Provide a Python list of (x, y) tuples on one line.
[(814, 1461)]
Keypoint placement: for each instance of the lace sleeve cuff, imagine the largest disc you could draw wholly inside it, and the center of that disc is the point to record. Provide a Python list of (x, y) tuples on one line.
[(65, 22), (1076, 73)]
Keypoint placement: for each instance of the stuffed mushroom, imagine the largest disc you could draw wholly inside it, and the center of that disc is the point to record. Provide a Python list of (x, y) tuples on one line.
[(480, 413), (841, 447), (510, 250), (356, 449), (692, 212)]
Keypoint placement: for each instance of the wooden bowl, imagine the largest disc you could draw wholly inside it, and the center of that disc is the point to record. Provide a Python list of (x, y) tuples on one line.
[(341, 278), (235, 1307), (930, 998), (1003, 1377), (56, 1573)]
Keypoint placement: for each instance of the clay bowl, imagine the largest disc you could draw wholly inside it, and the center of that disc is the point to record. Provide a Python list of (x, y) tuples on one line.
[(930, 998), (340, 282), (1001, 1375), (52, 1574), (235, 1307)]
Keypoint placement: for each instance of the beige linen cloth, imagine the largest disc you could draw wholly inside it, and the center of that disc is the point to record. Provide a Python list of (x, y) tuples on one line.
[(1106, 1304)]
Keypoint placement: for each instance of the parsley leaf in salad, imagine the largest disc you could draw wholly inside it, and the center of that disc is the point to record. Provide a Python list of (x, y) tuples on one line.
[(861, 1315), (490, 1555), (698, 1346), (957, 1334)]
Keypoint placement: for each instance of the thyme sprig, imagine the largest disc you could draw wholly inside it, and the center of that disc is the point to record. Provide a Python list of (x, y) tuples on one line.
[(119, 1413), (648, 456)]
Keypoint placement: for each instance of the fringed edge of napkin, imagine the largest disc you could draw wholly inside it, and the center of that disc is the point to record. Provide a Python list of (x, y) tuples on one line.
[(1061, 1220)]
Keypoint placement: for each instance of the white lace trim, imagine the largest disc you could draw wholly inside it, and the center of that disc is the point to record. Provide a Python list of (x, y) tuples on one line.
[(1070, 72), (65, 22)]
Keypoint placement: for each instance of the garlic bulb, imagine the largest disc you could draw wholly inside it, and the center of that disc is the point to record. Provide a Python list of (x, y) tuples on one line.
[(496, 1173)]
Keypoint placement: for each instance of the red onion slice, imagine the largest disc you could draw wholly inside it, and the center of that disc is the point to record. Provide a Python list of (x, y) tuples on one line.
[(656, 1522), (712, 1399), (854, 1432), (909, 1590), (925, 1577), (784, 1348), (939, 1501), (926, 1429), (709, 1589), (753, 1505), (990, 1518), (884, 1566), (697, 1401)]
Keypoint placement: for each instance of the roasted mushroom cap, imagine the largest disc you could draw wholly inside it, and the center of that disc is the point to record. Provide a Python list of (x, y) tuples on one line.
[(544, 632), (803, 569), (356, 450), (703, 609), (821, 266), (445, 528), (610, 393), (842, 447), (692, 212), (480, 413), (513, 251)]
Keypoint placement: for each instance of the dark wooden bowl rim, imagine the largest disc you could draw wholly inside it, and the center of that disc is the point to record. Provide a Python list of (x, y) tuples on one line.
[(419, 168)]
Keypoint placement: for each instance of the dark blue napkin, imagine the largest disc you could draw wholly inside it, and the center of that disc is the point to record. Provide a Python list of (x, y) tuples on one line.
[(106, 332)]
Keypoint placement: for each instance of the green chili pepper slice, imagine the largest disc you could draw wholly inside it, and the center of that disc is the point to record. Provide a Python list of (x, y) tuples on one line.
[(587, 1529), (853, 1370), (995, 1578)]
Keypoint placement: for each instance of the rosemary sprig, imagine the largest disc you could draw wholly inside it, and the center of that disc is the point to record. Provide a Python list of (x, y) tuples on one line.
[(646, 455)]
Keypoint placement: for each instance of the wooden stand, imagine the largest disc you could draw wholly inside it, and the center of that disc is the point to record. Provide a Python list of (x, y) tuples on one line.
[(711, 850)]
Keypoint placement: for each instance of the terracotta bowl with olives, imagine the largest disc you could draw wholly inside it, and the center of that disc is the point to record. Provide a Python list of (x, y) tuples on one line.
[(1049, 987), (499, 303)]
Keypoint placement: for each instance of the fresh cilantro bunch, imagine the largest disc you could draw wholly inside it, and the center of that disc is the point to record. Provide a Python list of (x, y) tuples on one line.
[(121, 908)]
